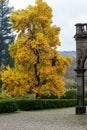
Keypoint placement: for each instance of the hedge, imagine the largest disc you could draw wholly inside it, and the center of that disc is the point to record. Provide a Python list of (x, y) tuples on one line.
[(12, 105), (8, 106), (39, 104)]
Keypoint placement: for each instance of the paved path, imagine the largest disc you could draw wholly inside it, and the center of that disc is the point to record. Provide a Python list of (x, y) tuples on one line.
[(58, 119)]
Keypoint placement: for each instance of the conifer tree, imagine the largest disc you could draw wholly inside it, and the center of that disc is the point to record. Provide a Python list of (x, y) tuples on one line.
[(6, 33)]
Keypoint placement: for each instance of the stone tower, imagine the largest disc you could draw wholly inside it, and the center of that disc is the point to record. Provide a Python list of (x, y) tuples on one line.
[(81, 56)]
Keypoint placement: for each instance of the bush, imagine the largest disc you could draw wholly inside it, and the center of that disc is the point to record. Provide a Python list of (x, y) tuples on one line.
[(70, 94), (7, 106), (70, 83), (39, 104), (27, 104), (21, 104), (58, 103)]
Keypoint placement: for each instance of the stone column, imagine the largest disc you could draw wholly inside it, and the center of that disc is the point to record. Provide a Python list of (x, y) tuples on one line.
[(80, 108)]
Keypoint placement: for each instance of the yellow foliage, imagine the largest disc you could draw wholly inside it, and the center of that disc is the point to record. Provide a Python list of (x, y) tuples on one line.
[(38, 65), (2, 0), (15, 82)]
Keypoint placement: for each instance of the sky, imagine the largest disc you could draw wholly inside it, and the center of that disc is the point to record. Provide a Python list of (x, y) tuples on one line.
[(66, 13)]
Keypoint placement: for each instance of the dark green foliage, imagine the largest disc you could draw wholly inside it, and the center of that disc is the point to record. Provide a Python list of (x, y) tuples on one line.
[(27, 104), (86, 101), (58, 103), (6, 33), (8, 106), (70, 94), (39, 104), (85, 91), (13, 105)]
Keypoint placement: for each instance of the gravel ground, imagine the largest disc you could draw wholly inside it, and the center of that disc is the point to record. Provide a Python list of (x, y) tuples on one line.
[(58, 119)]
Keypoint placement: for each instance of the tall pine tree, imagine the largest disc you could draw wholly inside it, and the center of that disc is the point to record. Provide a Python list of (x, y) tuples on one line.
[(6, 33)]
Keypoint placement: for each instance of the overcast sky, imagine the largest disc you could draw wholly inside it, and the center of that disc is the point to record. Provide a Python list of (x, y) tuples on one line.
[(66, 13)]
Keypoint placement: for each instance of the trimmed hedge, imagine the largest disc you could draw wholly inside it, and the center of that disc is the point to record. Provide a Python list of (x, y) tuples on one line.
[(8, 106), (12, 105), (39, 104), (27, 104)]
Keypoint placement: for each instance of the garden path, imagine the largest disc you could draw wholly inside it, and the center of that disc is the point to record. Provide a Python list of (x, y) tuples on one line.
[(55, 119)]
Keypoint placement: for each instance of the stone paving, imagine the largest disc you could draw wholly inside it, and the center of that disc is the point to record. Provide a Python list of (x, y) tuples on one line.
[(57, 119)]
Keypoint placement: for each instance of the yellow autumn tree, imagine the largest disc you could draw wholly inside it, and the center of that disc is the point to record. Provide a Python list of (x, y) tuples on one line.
[(2, 0), (38, 65)]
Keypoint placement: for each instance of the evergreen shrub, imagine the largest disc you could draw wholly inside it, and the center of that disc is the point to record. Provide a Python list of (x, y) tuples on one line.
[(70, 94), (39, 104), (28, 104), (8, 106)]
